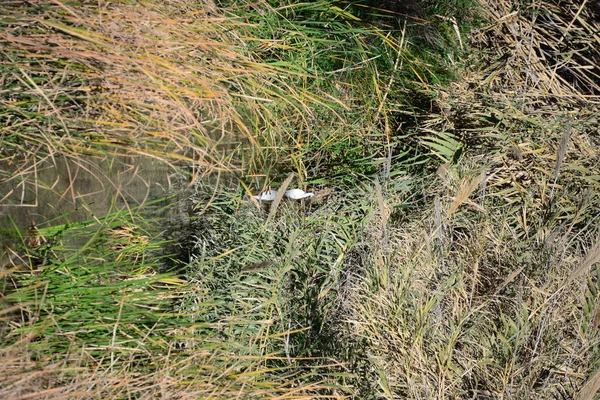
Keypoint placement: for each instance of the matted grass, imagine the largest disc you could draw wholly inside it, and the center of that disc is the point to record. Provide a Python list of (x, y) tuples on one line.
[(490, 291)]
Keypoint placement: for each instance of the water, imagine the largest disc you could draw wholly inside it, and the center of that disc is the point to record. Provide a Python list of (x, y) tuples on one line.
[(57, 191)]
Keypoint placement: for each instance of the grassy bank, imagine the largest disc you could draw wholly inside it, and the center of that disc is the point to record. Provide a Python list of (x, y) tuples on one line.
[(450, 250)]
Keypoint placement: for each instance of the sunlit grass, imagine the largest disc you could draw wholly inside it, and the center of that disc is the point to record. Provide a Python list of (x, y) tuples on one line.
[(104, 309), (169, 81), (450, 250)]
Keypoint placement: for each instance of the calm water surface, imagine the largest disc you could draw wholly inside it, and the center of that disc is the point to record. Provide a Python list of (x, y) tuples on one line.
[(58, 191)]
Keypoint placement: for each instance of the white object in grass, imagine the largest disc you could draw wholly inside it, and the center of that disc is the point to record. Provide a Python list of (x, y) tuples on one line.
[(298, 194), (269, 195)]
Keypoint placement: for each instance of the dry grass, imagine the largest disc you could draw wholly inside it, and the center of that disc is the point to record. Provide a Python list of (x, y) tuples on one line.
[(468, 298), (542, 51), (481, 283), (24, 379), (482, 313), (169, 81)]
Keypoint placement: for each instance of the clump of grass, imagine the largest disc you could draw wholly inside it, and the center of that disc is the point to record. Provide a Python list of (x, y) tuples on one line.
[(292, 263), (475, 304), (103, 315), (232, 88)]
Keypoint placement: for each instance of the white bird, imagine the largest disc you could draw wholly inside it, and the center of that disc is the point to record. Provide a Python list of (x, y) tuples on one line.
[(298, 194), (269, 195)]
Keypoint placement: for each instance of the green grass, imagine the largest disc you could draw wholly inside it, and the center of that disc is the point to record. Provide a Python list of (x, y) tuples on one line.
[(450, 251), (105, 310)]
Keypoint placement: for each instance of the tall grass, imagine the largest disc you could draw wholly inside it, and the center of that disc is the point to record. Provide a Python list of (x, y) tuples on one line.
[(451, 249), (236, 91), (482, 294), (103, 316)]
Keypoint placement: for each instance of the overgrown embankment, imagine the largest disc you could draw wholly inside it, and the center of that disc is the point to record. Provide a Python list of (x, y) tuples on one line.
[(451, 248)]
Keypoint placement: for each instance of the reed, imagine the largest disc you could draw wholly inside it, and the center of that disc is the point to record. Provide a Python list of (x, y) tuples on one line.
[(450, 249)]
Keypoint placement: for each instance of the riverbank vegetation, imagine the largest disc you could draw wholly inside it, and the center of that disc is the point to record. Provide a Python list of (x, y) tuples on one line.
[(450, 251)]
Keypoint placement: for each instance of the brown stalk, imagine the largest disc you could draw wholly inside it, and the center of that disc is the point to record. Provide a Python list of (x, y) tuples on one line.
[(592, 257), (466, 189), (591, 387), (562, 149), (279, 196)]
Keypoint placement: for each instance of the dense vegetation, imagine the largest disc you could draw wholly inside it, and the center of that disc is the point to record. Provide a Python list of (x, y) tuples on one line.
[(451, 249)]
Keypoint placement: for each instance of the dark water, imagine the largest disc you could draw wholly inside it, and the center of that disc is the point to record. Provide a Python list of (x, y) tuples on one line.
[(58, 191)]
